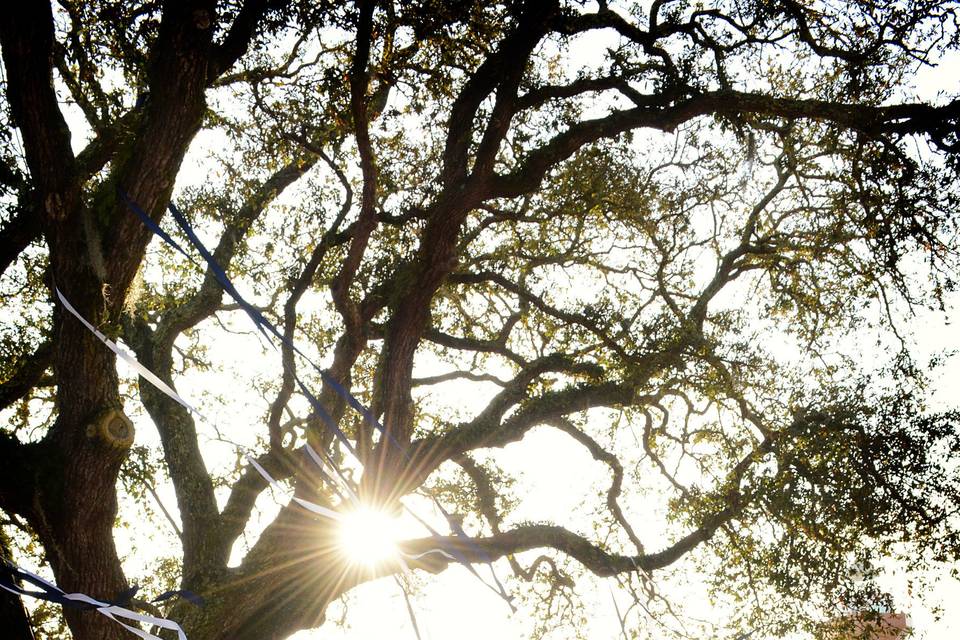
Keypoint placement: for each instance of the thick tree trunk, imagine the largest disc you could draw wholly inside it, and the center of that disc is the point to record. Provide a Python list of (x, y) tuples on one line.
[(95, 250)]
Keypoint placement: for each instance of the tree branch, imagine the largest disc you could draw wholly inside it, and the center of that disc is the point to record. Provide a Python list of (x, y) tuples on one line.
[(592, 556), (873, 120), (538, 302), (26, 376), (330, 238), (22, 229), (511, 55), (240, 34), (26, 37), (177, 429), (601, 454)]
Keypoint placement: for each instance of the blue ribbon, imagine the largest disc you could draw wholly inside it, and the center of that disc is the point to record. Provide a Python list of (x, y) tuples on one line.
[(11, 576), (124, 598), (189, 596), (153, 226), (262, 323)]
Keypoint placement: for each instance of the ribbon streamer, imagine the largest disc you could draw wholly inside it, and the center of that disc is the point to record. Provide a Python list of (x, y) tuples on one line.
[(10, 575), (337, 480), (620, 618), (154, 227), (306, 504), (125, 597), (128, 357), (189, 596)]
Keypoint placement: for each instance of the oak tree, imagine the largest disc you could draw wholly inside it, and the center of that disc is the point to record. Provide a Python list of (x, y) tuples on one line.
[(666, 231)]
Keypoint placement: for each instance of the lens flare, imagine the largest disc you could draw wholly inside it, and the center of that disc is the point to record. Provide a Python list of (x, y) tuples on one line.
[(368, 536)]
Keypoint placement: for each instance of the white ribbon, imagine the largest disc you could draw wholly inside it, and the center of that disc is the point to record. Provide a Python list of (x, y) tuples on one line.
[(328, 468), (417, 556), (306, 504), (128, 357)]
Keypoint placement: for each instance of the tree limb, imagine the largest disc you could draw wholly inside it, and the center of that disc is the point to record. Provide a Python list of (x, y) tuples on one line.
[(26, 376), (895, 119), (19, 231), (240, 34)]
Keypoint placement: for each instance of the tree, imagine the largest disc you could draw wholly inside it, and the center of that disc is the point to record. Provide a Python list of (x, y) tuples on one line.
[(597, 242)]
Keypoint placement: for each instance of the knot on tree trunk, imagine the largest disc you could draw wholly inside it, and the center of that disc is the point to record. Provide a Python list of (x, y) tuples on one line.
[(113, 428)]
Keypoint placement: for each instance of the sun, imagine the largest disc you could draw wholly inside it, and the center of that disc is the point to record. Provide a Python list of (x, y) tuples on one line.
[(368, 536)]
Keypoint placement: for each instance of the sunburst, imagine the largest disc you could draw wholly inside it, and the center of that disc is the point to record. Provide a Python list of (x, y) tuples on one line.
[(368, 536)]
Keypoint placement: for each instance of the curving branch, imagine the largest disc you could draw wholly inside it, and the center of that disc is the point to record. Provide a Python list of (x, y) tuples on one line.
[(27, 376), (899, 119), (207, 299), (796, 11), (367, 218), (490, 429), (458, 375), (591, 555), (497, 346), (542, 305), (240, 34), (616, 486)]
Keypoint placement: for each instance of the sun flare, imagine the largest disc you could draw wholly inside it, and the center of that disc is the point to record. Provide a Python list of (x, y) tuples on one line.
[(368, 536)]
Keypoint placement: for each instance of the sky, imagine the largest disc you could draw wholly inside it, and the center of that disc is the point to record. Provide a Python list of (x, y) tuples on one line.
[(454, 603)]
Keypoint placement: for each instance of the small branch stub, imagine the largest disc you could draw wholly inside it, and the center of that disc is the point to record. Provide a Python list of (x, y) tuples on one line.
[(113, 428)]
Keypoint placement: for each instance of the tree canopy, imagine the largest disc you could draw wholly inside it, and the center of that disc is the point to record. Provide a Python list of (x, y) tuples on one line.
[(679, 234)]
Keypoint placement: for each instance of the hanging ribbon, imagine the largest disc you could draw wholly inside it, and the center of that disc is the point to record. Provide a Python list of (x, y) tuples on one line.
[(155, 228), (11, 576), (306, 504), (620, 618), (458, 557), (189, 596), (338, 481), (128, 357)]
